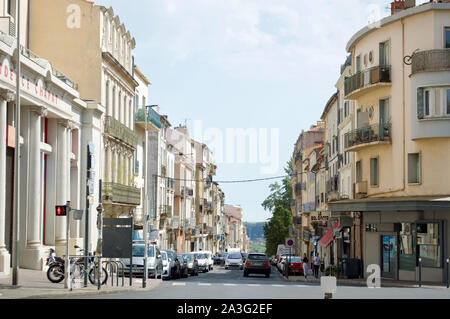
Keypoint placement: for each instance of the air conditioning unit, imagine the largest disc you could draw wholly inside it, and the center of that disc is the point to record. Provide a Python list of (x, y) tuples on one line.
[(8, 25)]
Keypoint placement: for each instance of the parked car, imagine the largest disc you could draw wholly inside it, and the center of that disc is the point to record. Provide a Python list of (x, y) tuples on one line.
[(154, 261), (192, 264), (234, 260), (174, 264), (202, 261), (166, 275), (184, 273), (209, 259), (282, 257), (257, 264), (222, 258), (295, 265)]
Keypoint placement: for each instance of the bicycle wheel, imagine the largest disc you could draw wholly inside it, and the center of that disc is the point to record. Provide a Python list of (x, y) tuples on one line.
[(55, 273), (93, 276)]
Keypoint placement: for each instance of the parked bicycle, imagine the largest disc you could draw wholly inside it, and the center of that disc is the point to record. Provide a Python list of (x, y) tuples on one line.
[(56, 270)]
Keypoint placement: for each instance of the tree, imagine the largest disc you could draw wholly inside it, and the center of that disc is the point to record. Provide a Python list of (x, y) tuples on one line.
[(281, 194), (277, 229)]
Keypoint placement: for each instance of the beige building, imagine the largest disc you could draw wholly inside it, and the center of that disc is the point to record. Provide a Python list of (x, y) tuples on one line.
[(401, 92)]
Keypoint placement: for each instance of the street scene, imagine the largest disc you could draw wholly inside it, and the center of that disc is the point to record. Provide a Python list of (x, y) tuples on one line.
[(238, 150)]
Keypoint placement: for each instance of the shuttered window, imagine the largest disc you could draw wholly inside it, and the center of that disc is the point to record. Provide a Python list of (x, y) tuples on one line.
[(374, 171), (414, 168), (358, 172), (420, 103)]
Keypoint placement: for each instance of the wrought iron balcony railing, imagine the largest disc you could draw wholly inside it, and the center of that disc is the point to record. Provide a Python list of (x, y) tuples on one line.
[(118, 130), (360, 80), (431, 61), (368, 134), (122, 194), (153, 117)]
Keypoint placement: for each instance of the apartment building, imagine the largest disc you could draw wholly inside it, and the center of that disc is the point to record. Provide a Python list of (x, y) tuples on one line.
[(103, 68), (52, 133), (400, 87)]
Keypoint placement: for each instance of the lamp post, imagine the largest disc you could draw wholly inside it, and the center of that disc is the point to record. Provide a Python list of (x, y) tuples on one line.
[(146, 199)]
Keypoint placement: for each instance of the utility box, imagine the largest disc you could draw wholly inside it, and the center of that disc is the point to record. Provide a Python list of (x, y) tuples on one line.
[(328, 284)]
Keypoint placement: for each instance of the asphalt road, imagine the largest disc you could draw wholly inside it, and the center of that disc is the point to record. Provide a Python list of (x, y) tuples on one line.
[(231, 284)]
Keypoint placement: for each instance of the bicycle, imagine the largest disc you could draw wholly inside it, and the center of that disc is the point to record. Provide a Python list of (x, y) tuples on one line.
[(78, 271)]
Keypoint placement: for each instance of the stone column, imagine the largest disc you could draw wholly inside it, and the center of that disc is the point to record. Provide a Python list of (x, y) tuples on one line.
[(62, 179), (5, 97)]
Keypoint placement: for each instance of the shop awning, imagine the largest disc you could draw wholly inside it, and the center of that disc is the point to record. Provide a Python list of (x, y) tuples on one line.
[(328, 237)]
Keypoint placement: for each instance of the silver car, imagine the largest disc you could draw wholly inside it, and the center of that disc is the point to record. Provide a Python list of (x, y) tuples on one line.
[(234, 260), (154, 261), (202, 261)]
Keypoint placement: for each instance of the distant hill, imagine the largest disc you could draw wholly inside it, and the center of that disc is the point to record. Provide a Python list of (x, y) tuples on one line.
[(255, 231)]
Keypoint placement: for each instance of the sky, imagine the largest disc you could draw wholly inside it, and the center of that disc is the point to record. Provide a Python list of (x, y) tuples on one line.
[(264, 67)]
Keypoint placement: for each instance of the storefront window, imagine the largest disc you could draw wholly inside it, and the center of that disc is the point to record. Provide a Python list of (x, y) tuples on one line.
[(428, 244), (407, 260)]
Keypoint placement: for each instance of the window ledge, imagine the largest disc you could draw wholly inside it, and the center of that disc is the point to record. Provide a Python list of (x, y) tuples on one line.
[(435, 118), (415, 184)]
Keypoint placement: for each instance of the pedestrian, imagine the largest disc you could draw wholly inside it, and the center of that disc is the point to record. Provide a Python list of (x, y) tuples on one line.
[(316, 265), (305, 265)]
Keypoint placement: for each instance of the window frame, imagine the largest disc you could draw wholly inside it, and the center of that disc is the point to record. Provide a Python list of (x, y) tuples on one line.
[(446, 41), (419, 169), (372, 176)]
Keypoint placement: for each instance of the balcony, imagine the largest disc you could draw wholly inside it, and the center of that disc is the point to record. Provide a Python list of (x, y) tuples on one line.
[(121, 194), (119, 131), (431, 61), (154, 119), (361, 189), (367, 136), (309, 207), (363, 81)]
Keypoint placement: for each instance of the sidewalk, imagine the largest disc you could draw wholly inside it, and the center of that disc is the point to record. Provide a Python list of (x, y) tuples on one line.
[(34, 284), (363, 282)]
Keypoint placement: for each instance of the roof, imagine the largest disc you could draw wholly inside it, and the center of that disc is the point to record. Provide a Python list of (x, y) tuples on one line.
[(394, 18), (330, 103)]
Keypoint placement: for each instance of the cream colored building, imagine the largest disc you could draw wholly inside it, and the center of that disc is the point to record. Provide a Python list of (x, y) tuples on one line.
[(56, 126), (100, 61), (401, 140)]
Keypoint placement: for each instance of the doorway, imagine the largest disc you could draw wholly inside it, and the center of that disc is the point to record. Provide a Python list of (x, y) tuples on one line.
[(388, 256)]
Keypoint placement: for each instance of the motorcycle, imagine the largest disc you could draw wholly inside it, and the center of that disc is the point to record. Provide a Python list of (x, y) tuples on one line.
[(56, 270)]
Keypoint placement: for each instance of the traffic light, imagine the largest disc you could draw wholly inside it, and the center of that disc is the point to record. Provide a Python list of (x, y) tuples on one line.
[(61, 210)]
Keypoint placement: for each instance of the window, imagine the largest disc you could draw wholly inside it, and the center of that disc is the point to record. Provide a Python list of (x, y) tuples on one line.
[(447, 38), (428, 244), (447, 106), (407, 251), (374, 171), (384, 48), (433, 102), (358, 171), (414, 168), (427, 103)]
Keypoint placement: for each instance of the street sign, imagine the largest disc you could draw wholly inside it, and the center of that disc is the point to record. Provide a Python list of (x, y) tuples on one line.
[(290, 242)]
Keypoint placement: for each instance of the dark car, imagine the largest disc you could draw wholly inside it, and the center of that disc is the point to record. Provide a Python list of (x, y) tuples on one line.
[(192, 264), (175, 269), (184, 272), (257, 264)]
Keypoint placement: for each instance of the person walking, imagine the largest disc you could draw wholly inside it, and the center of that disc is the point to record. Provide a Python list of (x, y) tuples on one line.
[(316, 265), (305, 265)]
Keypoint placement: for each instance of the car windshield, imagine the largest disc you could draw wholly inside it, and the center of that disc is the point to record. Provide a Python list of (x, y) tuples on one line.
[(295, 260), (223, 255), (234, 256), (138, 251), (200, 256), (170, 254), (257, 257), (164, 256), (189, 257)]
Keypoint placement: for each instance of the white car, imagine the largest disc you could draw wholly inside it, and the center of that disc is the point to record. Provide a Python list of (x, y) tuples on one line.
[(234, 260), (210, 259), (154, 262)]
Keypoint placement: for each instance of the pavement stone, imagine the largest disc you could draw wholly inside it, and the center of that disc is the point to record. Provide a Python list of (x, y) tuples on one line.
[(33, 284)]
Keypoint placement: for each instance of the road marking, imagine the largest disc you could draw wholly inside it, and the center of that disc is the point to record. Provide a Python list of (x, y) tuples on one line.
[(179, 284), (229, 284), (253, 285), (277, 285), (204, 284)]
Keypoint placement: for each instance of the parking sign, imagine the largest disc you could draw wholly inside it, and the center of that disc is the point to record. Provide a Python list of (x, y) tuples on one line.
[(290, 242)]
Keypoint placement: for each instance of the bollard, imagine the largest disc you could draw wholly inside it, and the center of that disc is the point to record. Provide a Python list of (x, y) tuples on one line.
[(420, 272)]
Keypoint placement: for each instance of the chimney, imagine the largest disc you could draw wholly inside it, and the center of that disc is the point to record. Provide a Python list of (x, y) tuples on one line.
[(397, 6), (410, 4)]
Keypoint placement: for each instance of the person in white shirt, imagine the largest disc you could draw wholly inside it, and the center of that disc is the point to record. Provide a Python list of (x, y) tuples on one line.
[(316, 261), (305, 265)]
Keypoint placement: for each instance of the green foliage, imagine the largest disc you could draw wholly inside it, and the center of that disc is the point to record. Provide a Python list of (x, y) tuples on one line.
[(276, 229)]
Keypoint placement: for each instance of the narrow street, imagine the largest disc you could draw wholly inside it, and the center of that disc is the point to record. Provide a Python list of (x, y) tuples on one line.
[(231, 284)]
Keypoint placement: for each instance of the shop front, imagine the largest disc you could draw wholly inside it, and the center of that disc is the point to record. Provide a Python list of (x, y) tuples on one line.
[(405, 238)]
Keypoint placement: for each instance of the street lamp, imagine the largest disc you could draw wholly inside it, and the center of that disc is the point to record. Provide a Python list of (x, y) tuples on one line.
[(146, 199)]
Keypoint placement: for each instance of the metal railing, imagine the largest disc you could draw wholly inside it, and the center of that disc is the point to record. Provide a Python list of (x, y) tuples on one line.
[(368, 134), (377, 74), (120, 131), (431, 61), (153, 117), (118, 193)]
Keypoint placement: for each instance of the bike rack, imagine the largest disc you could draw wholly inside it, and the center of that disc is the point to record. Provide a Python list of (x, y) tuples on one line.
[(119, 269)]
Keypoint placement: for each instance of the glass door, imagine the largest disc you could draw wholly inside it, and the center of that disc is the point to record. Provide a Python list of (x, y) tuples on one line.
[(388, 256)]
